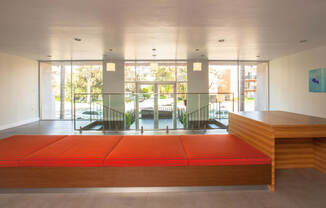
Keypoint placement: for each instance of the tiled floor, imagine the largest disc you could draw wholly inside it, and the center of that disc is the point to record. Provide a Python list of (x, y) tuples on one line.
[(295, 188)]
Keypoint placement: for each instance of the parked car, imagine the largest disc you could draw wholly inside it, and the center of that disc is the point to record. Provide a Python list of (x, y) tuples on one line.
[(85, 115)]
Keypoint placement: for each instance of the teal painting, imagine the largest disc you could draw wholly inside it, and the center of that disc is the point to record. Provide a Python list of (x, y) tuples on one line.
[(317, 80)]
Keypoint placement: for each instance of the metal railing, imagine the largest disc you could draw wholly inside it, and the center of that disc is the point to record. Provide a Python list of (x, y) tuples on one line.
[(151, 111)]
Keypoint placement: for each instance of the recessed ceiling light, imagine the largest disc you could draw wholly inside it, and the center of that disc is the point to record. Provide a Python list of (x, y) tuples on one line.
[(221, 40), (303, 41), (78, 39)]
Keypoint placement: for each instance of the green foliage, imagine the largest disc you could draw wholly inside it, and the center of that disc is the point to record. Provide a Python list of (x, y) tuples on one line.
[(183, 118), (249, 99), (85, 79), (146, 93), (165, 73), (130, 118), (129, 99), (182, 88), (162, 97)]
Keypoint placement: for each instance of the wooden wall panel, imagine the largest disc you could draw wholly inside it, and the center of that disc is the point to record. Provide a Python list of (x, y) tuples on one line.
[(320, 154), (291, 140), (257, 134), (312, 131), (294, 153), (78, 177)]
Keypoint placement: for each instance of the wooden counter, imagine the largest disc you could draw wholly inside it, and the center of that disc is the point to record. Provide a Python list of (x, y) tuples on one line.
[(291, 140)]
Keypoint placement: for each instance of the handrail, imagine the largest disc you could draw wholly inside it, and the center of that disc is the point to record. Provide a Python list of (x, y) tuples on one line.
[(126, 116), (113, 119), (111, 109), (176, 93), (199, 118)]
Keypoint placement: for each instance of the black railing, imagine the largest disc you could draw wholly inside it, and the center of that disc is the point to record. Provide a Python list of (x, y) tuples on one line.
[(198, 119), (113, 119), (206, 117)]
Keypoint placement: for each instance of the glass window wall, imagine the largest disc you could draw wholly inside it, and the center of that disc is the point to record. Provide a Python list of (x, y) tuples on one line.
[(59, 81)]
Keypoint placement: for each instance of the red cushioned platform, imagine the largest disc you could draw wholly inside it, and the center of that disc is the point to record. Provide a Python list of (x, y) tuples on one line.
[(73, 151), (147, 151), (221, 150), (123, 151), (17, 147)]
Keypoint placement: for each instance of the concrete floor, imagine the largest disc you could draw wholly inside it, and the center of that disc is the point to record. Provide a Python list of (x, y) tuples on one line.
[(294, 188)]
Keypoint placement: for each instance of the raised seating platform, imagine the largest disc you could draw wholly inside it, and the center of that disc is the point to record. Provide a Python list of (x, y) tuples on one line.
[(129, 161), (142, 151), (221, 150), (73, 151), (14, 149)]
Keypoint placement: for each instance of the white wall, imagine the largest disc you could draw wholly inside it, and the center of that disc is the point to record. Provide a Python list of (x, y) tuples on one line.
[(18, 91), (289, 86)]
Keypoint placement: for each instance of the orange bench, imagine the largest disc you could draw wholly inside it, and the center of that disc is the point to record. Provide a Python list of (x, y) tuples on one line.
[(16, 148), (113, 161), (73, 151), (147, 151), (221, 150)]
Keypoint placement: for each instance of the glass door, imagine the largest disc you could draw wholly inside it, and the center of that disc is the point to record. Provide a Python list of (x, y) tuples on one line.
[(166, 106), (156, 106), (147, 105)]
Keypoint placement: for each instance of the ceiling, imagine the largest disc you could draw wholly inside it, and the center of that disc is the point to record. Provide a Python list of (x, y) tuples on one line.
[(175, 28)]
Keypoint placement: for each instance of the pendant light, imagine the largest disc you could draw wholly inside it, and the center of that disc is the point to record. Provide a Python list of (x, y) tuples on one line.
[(154, 64), (110, 65), (197, 65)]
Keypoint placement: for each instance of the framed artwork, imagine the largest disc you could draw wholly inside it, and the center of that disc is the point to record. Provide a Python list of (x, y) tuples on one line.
[(317, 80)]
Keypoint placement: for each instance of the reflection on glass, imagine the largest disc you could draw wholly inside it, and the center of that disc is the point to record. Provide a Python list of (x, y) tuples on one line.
[(146, 105), (223, 78), (166, 100), (253, 86), (130, 71), (181, 71), (155, 87), (250, 72), (55, 88), (59, 82)]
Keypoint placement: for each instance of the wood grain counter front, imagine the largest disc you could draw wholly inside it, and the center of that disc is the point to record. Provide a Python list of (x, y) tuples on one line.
[(291, 140)]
